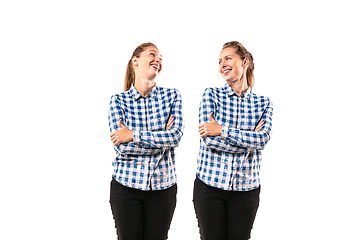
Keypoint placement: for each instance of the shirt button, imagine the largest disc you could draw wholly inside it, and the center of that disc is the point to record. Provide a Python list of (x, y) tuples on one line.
[(242, 95)]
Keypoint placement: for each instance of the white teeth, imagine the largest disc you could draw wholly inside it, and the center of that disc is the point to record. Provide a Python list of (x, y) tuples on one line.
[(155, 66), (226, 71)]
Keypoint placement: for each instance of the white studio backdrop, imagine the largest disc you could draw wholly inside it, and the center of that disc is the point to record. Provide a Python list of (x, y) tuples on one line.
[(60, 61)]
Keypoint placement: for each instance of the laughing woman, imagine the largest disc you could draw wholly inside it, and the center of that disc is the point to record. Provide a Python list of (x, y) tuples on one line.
[(146, 124), (235, 125)]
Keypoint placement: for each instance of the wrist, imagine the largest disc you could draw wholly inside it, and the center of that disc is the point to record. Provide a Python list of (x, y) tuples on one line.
[(219, 131)]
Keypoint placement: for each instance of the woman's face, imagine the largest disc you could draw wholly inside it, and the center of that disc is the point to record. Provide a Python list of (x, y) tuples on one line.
[(231, 65), (149, 63)]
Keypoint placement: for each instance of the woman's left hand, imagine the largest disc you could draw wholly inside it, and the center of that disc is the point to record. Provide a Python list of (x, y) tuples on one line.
[(210, 128), (123, 135), (170, 123)]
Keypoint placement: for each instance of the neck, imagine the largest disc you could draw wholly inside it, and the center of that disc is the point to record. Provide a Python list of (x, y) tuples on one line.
[(239, 86), (144, 86)]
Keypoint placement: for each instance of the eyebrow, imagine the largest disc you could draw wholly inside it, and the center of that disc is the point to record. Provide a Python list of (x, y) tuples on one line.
[(155, 52), (229, 55)]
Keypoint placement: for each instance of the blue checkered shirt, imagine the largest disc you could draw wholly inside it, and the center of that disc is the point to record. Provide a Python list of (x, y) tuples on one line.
[(232, 160), (147, 162)]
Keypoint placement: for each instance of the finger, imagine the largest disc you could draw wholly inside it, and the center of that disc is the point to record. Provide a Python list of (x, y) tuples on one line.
[(171, 120), (211, 117), (121, 124), (202, 128), (259, 126), (168, 127), (262, 123), (204, 134), (203, 131)]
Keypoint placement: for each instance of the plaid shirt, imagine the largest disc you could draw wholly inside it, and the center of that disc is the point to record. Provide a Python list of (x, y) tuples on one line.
[(232, 160), (147, 162)]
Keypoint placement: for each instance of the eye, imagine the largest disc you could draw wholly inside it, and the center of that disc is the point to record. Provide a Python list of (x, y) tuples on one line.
[(228, 58), (152, 54)]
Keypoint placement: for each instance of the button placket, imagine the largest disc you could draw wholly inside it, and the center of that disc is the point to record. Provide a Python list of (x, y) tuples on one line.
[(234, 162)]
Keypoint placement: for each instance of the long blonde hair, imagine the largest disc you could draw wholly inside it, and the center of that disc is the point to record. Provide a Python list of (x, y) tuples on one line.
[(243, 53), (130, 73)]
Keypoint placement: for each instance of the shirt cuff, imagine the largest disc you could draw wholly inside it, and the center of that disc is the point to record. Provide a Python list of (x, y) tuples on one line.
[(136, 135), (224, 133)]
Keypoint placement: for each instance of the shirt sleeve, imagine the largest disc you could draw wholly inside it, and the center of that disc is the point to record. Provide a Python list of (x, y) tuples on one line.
[(208, 105), (116, 112), (164, 138), (251, 139)]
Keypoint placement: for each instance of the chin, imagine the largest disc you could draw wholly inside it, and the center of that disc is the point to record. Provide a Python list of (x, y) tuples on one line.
[(227, 78)]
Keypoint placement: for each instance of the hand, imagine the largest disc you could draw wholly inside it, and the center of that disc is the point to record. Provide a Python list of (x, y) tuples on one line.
[(260, 125), (210, 128), (123, 135), (170, 123)]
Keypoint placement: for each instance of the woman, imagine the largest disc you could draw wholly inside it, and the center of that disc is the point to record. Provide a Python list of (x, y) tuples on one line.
[(146, 124), (235, 125)]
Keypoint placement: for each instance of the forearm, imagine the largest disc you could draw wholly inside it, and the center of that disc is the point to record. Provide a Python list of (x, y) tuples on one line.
[(246, 139), (158, 139), (135, 149), (251, 139), (219, 144)]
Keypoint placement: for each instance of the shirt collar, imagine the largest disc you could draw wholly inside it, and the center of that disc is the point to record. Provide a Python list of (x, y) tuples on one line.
[(136, 95), (230, 92)]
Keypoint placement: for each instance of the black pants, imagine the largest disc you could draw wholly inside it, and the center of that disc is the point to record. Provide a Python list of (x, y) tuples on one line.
[(142, 215), (224, 214)]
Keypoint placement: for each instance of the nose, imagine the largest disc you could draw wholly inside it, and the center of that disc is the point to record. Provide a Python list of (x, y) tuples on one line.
[(222, 65), (158, 60)]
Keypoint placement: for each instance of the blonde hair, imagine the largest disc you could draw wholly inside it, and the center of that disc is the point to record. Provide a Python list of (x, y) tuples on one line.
[(130, 73), (243, 53)]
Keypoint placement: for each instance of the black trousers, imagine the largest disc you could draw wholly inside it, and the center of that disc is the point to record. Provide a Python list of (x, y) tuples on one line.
[(142, 215), (224, 214)]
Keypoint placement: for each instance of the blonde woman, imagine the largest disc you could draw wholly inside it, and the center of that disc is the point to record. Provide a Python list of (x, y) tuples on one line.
[(235, 125), (146, 124)]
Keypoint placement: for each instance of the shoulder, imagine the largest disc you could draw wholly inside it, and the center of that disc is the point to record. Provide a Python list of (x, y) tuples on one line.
[(213, 91), (120, 97), (261, 100), (169, 92)]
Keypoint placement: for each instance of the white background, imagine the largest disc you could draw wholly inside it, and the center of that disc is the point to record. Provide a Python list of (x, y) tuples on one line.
[(60, 61)]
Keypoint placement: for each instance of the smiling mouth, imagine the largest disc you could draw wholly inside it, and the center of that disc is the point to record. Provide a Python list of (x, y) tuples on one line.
[(155, 66), (226, 71)]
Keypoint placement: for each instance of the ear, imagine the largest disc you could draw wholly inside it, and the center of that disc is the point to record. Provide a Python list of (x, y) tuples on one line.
[(245, 62), (135, 61)]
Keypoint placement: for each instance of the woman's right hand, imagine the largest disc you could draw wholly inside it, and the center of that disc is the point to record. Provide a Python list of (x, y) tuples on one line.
[(170, 123), (260, 125)]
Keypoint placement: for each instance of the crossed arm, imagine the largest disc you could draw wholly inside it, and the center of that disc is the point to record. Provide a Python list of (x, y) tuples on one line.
[(128, 141), (231, 139), (124, 135), (213, 129)]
